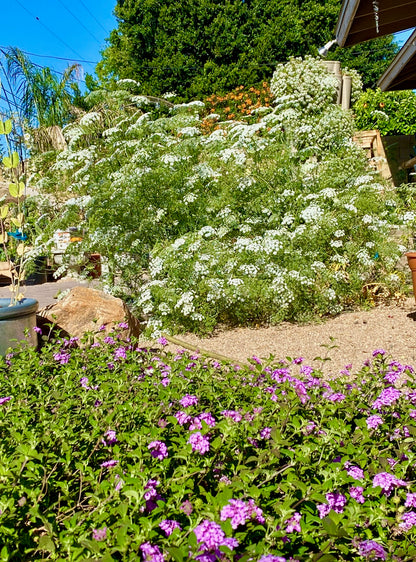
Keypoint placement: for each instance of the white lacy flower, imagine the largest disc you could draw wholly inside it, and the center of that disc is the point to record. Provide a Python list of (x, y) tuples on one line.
[(312, 213), (367, 219), (351, 208)]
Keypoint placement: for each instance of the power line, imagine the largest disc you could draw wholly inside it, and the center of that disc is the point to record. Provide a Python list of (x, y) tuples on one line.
[(80, 22), (52, 56), (92, 15), (48, 29)]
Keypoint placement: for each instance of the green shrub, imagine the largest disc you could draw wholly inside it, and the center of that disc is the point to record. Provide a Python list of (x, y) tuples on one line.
[(392, 113)]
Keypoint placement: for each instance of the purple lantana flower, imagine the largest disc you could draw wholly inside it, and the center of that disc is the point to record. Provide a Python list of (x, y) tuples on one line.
[(5, 399), (199, 442), (110, 437), (151, 553), (408, 520), (211, 537), (372, 550), (188, 400), (240, 512), (293, 524), (232, 414), (120, 353), (355, 472), (374, 421), (168, 526), (109, 464), (63, 357), (387, 397), (410, 500), (387, 482), (99, 534), (158, 450), (356, 492)]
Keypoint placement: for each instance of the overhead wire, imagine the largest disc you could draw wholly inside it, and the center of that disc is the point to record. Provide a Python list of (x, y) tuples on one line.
[(48, 28), (52, 56), (76, 18), (92, 15)]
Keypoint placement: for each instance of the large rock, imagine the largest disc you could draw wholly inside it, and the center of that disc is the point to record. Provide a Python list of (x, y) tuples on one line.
[(87, 310)]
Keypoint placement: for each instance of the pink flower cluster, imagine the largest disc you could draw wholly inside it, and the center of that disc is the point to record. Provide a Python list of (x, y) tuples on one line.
[(151, 553), (211, 537), (199, 442), (240, 512), (387, 482), (168, 526), (158, 450), (336, 502)]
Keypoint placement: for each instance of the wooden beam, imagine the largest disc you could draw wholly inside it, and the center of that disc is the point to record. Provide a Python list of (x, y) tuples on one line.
[(346, 17), (408, 164)]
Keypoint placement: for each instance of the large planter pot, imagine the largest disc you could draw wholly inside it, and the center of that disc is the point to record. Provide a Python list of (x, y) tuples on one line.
[(411, 260), (14, 321)]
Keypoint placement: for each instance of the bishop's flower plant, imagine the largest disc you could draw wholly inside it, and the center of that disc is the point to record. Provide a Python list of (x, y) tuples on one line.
[(278, 208)]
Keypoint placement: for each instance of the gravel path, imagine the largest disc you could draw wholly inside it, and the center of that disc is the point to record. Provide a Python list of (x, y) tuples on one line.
[(348, 338)]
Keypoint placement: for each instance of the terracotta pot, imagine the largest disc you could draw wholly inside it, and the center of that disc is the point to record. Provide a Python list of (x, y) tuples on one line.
[(411, 260)]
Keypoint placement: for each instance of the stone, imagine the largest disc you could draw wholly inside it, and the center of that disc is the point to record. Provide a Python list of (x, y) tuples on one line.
[(86, 310)]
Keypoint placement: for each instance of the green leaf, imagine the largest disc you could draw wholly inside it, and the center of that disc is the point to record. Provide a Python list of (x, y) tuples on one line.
[(6, 127), (46, 543), (3, 211), (13, 189), (11, 161), (176, 553), (332, 528)]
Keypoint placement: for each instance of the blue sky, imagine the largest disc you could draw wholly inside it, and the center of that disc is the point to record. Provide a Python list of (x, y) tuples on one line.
[(66, 29)]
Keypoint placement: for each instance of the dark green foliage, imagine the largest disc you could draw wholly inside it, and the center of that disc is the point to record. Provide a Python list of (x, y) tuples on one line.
[(200, 47)]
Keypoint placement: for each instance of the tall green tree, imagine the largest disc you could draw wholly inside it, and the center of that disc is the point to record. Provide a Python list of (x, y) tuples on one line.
[(198, 47)]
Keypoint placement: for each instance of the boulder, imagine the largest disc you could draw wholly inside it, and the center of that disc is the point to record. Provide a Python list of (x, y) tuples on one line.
[(88, 310)]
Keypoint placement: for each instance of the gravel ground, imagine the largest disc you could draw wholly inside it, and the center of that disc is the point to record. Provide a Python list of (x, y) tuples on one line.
[(349, 338)]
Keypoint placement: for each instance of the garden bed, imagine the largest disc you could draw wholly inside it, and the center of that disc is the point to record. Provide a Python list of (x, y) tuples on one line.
[(115, 452)]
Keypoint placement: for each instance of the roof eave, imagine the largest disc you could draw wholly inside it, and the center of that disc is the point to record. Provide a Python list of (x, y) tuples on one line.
[(348, 10), (390, 77)]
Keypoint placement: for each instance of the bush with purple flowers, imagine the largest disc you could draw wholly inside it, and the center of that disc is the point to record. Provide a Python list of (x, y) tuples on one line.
[(251, 464)]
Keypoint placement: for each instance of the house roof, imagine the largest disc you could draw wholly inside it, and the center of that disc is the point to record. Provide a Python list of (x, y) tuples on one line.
[(361, 20), (401, 74)]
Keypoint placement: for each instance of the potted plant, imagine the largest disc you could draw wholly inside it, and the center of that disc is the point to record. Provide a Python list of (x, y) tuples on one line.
[(17, 313)]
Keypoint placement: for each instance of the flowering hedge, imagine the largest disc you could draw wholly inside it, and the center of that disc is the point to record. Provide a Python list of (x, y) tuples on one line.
[(113, 452), (272, 217)]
